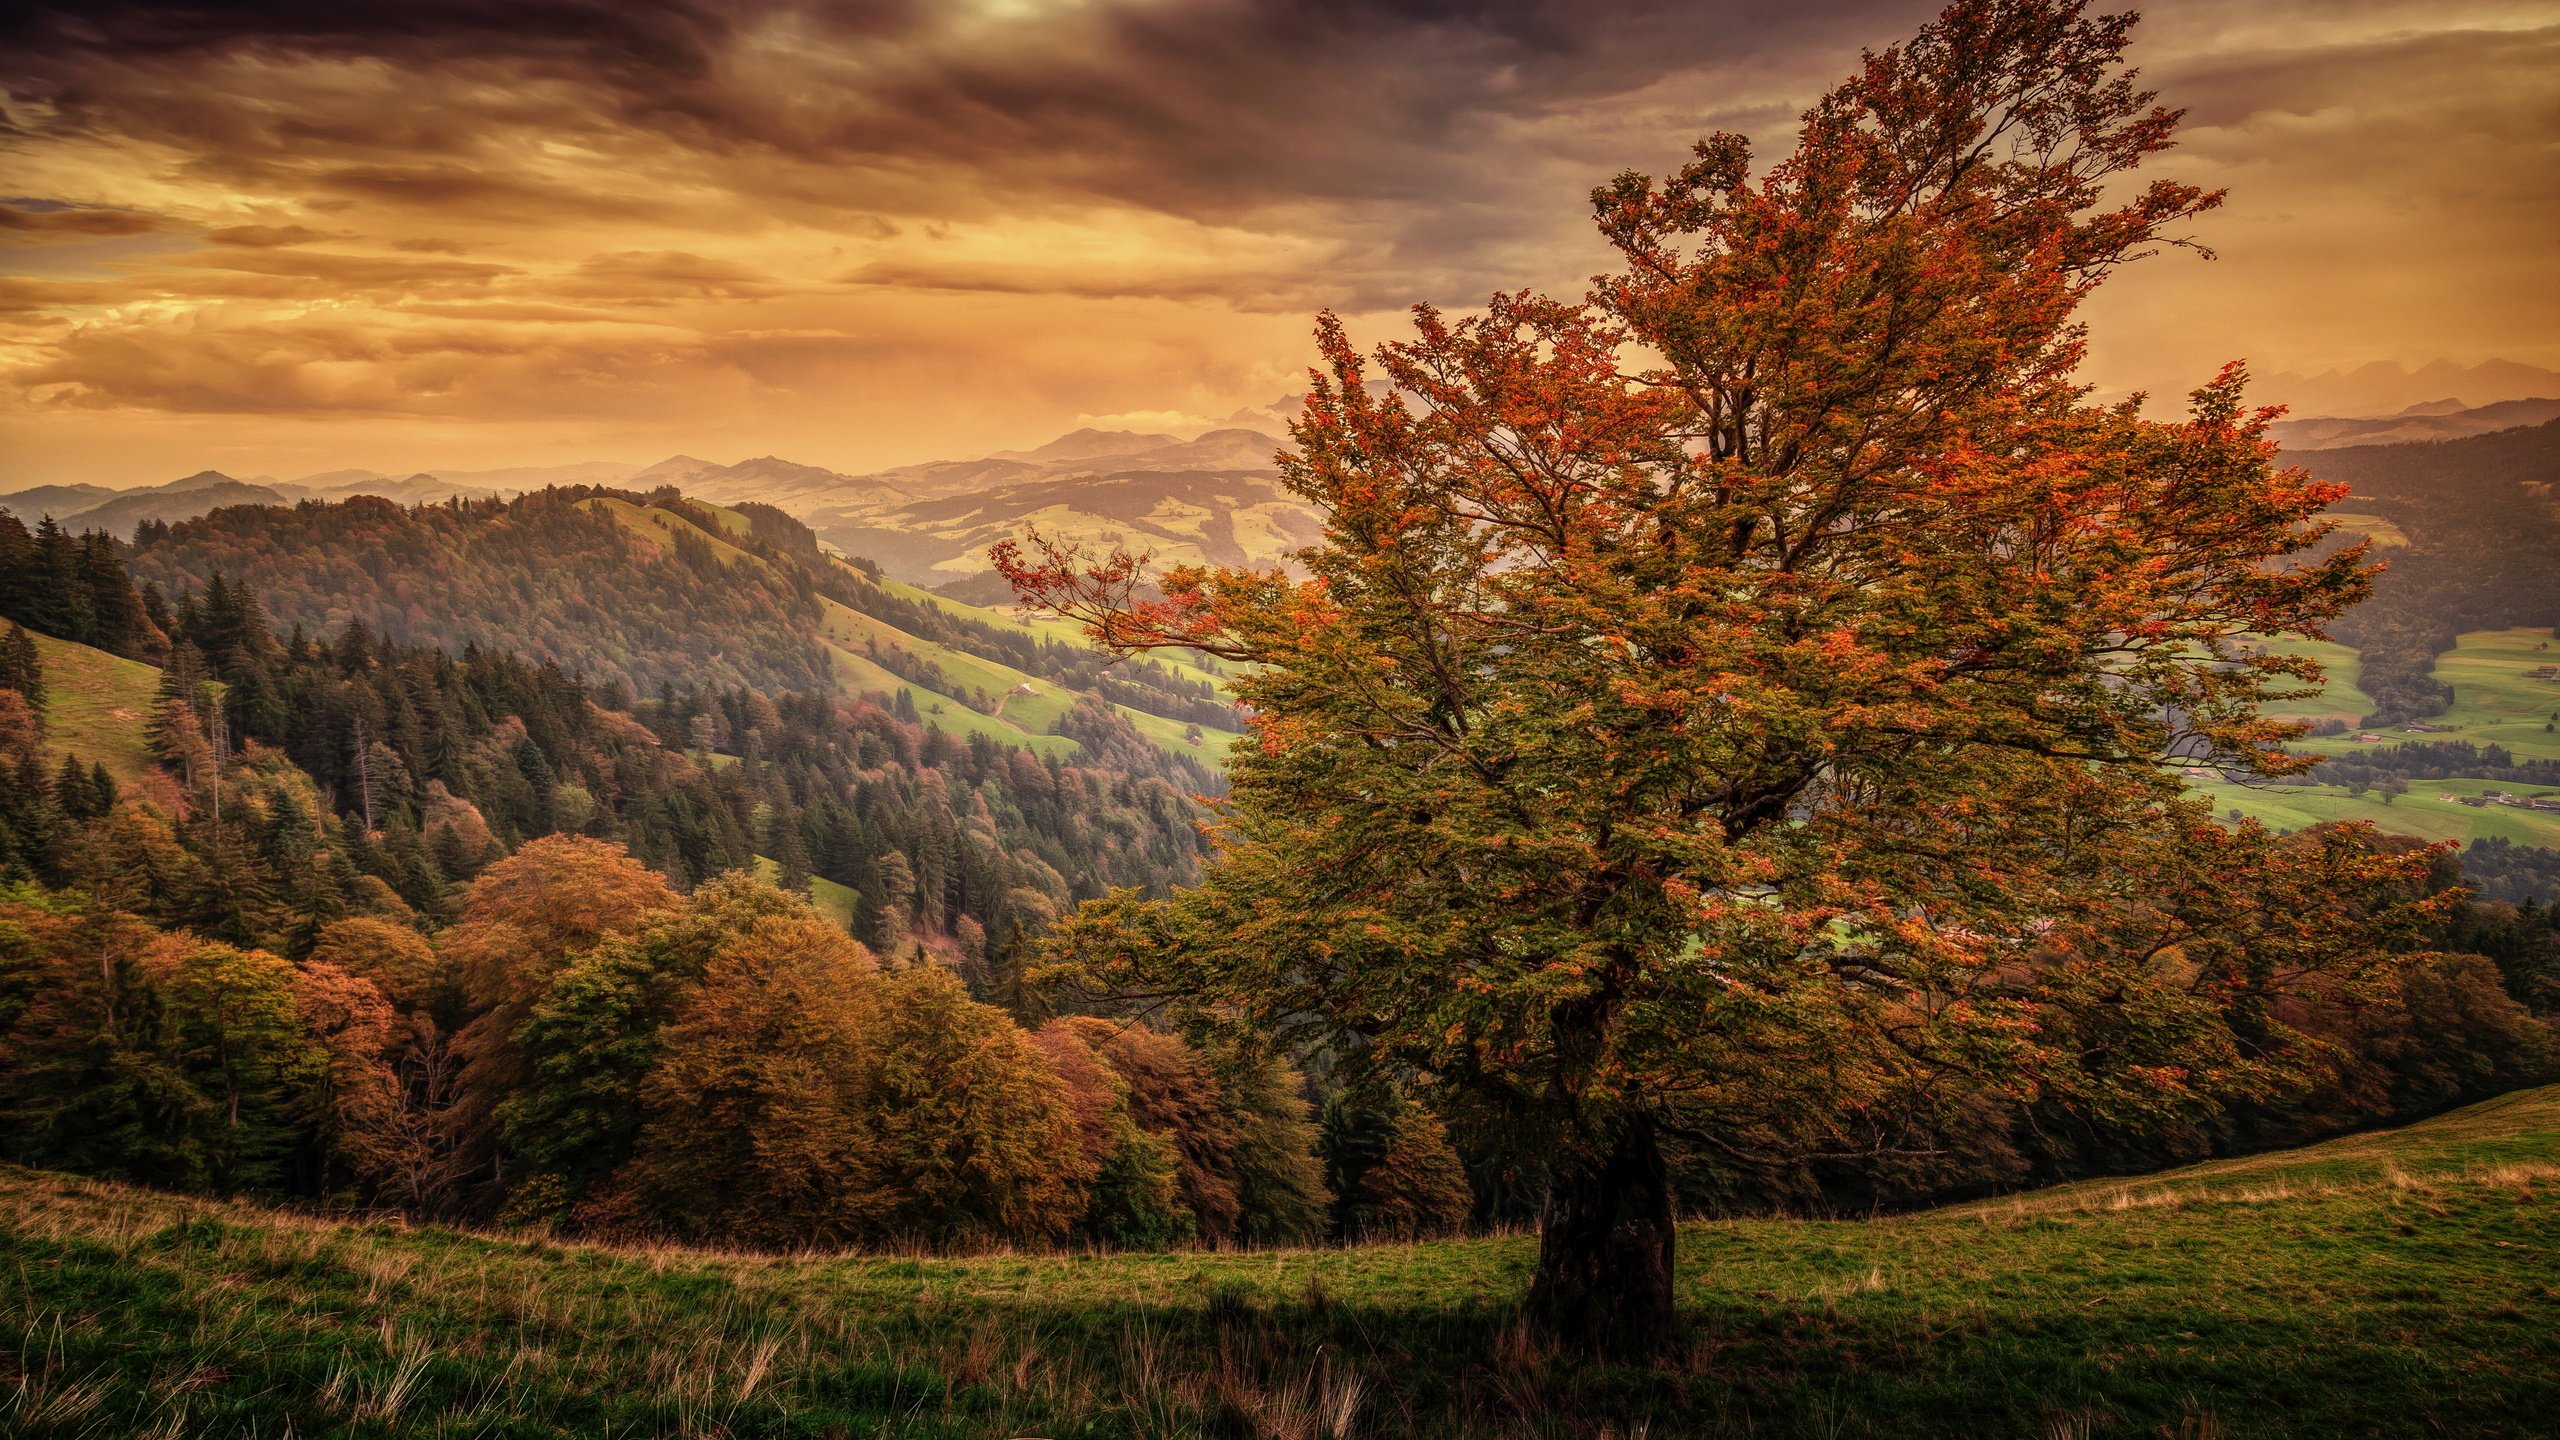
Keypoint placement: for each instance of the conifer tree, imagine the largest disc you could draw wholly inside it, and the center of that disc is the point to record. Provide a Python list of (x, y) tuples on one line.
[(22, 667)]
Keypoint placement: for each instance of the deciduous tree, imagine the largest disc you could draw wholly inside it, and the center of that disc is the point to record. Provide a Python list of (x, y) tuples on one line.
[(1739, 700)]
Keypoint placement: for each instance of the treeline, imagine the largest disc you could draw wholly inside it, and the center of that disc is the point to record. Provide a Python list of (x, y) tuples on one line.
[(2474, 1015), (586, 1047), (76, 587), (961, 845), (554, 576), (2435, 760), (2483, 553), (2524, 875)]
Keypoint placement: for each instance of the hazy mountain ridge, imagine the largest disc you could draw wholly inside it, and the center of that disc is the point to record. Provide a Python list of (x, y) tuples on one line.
[(2436, 420), (2386, 387), (94, 507), (1212, 499)]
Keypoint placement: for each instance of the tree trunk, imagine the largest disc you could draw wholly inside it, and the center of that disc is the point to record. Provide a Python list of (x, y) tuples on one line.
[(1604, 1247)]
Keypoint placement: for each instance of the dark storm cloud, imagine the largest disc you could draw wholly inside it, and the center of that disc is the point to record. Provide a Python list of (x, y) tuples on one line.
[(1204, 107), (633, 39)]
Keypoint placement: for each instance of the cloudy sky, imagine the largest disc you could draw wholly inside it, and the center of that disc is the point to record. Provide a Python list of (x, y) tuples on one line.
[(279, 236)]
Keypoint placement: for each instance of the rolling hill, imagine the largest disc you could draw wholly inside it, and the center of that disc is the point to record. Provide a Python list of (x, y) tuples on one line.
[(1178, 517), (2438, 681), (2397, 1283), (118, 511), (2497, 701), (1214, 498), (91, 507), (662, 589)]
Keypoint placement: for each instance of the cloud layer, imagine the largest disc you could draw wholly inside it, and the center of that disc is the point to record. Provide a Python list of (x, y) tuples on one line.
[(282, 232)]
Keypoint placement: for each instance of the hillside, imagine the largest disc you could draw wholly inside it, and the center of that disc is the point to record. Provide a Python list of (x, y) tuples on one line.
[(542, 576), (2499, 711), (2396, 1283), (1179, 517), (2443, 420), (1214, 499), (659, 589), (98, 707), (88, 507), (2481, 551)]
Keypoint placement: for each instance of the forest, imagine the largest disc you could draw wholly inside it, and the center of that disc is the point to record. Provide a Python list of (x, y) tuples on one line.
[(2483, 553), (385, 911)]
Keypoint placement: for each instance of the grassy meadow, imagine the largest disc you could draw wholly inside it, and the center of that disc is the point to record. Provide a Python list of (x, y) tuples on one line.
[(2495, 702), (98, 706), (2394, 1284)]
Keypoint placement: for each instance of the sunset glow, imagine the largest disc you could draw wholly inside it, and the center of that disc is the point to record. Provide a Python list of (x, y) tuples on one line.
[(273, 239)]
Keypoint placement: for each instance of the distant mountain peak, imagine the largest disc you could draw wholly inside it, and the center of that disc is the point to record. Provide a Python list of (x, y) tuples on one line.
[(677, 468), (1088, 443), (2387, 388)]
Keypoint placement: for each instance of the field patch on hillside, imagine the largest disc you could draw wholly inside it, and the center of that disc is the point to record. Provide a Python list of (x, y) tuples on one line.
[(2337, 697), (97, 706)]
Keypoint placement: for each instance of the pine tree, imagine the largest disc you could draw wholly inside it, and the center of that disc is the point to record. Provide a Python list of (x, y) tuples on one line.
[(22, 667)]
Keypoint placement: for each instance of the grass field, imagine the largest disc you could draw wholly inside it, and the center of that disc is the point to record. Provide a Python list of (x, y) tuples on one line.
[(2385, 534), (860, 675), (2494, 703), (2423, 812), (1047, 627), (832, 900), (1212, 749), (2339, 699), (97, 706), (1026, 707), (2398, 1284)]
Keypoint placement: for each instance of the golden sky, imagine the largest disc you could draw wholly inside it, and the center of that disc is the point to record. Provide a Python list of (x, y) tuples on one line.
[(282, 236)]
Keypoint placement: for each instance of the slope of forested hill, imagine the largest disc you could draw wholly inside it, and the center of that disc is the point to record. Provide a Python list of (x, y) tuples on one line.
[(302, 778), (2481, 518), (360, 920), (542, 576), (657, 590)]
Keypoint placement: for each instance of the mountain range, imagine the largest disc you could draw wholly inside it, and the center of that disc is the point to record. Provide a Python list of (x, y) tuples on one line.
[(2386, 388), (2435, 420), (1213, 499)]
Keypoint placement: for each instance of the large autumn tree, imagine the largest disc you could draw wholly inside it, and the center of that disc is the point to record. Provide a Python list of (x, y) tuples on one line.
[(1742, 709)]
